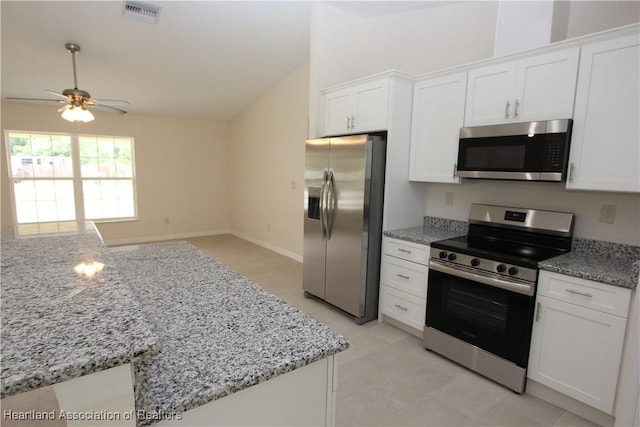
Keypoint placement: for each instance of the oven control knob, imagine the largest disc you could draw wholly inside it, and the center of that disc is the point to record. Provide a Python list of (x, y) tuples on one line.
[(513, 271), (475, 262), (451, 257), (501, 268), (442, 254)]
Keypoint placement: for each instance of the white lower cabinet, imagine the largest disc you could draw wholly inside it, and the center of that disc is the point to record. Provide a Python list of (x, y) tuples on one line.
[(403, 281), (578, 336)]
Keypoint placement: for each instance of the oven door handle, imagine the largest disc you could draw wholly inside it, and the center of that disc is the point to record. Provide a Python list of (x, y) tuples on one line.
[(520, 288)]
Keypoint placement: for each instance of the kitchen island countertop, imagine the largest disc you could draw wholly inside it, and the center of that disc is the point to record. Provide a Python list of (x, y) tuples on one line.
[(194, 330), (220, 332), (58, 324)]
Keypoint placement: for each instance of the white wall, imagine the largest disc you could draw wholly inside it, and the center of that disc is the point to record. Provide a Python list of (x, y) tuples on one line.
[(266, 166), (587, 17), (181, 170), (345, 46)]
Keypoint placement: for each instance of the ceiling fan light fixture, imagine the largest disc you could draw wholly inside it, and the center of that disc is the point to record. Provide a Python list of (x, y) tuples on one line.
[(77, 114)]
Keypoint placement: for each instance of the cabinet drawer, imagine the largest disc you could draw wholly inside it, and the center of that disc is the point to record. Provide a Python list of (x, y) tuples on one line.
[(403, 307), (586, 293), (406, 250), (404, 275)]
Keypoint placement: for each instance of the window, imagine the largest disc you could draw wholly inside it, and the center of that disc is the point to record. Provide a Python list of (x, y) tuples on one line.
[(106, 168), (63, 177)]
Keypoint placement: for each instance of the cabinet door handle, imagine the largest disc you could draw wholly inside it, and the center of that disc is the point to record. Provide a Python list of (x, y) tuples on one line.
[(455, 170), (348, 122), (406, 251), (515, 109), (401, 307), (403, 276), (584, 294), (506, 110), (353, 122), (538, 308)]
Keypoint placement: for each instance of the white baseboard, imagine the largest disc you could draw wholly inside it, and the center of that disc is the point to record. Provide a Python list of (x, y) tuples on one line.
[(269, 246), (181, 236), (164, 237)]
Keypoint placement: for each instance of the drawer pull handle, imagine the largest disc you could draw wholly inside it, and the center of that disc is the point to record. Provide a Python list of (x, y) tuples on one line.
[(401, 307), (406, 251), (402, 276), (538, 308), (584, 294)]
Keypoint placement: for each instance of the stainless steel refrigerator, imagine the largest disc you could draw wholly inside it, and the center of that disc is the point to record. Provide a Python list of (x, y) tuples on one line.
[(344, 190)]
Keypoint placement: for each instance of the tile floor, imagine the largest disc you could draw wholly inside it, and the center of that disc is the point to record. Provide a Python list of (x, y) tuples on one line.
[(386, 378)]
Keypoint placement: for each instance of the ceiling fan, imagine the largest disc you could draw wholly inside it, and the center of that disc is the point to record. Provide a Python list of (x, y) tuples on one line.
[(77, 101)]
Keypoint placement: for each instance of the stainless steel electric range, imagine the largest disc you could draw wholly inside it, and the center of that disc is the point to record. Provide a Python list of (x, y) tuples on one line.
[(482, 287)]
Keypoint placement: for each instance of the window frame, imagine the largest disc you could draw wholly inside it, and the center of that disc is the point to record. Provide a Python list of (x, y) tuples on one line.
[(77, 179)]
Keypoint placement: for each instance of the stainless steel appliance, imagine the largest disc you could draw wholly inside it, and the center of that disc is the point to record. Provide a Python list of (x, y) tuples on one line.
[(344, 190), (532, 151), (482, 287)]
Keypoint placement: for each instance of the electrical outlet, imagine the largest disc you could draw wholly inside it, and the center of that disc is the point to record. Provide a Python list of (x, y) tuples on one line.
[(607, 214), (293, 185), (166, 220), (268, 227), (448, 198)]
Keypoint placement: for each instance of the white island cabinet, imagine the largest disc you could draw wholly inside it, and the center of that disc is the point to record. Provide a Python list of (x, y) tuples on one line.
[(539, 87), (438, 115), (403, 282), (577, 339), (303, 397), (605, 147)]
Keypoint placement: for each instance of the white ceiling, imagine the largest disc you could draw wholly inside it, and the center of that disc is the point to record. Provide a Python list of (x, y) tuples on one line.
[(203, 59)]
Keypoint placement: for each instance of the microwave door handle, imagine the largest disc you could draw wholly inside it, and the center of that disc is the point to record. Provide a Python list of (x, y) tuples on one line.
[(506, 110)]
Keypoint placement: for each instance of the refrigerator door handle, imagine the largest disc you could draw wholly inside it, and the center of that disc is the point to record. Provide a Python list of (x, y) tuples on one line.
[(331, 204), (323, 204)]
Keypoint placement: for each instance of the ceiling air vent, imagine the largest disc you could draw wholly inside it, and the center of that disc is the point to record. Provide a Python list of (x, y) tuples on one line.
[(141, 11)]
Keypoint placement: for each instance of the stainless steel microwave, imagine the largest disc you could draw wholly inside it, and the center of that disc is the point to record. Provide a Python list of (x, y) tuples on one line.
[(531, 151)]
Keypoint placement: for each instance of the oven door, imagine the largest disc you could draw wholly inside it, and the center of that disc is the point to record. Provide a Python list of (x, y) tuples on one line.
[(496, 320)]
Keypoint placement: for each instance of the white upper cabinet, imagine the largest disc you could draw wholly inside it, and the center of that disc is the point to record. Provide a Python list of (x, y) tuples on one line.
[(438, 115), (541, 87), (359, 108), (605, 147)]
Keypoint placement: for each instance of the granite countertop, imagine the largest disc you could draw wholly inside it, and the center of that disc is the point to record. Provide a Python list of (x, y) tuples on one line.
[(219, 332), (58, 324), (605, 262), (431, 230)]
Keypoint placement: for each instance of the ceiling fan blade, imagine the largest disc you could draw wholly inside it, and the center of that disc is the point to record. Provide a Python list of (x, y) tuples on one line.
[(36, 99), (52, 92), (101, 101), (105, 108)]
